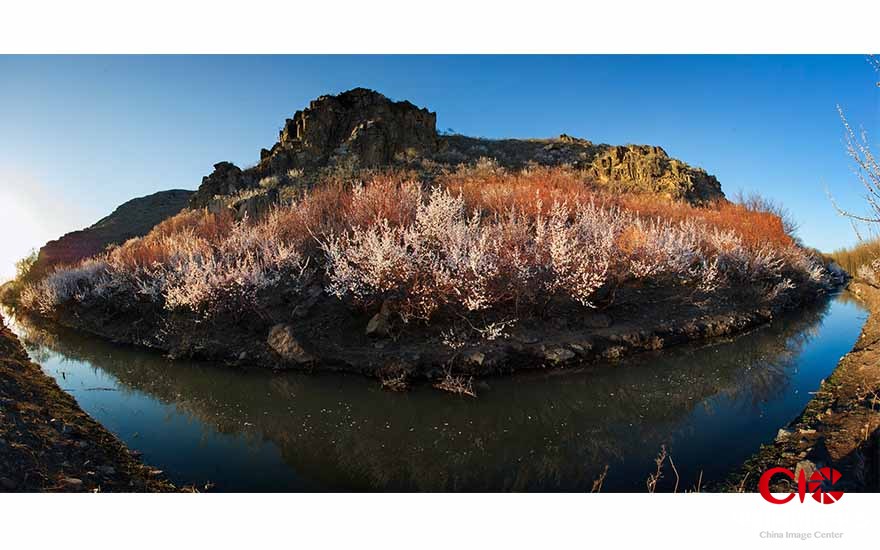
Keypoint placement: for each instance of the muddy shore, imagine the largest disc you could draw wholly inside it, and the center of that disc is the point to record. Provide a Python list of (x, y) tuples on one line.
[(47, 443), (840, 426)]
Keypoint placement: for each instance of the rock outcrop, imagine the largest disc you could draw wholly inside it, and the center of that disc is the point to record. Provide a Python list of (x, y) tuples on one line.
[(649, 169), (134, 218), (360, 122), (226, 179), (359, 126)]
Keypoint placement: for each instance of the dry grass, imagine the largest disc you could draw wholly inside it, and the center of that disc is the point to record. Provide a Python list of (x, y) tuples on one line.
[(534, 190), (862, 254)]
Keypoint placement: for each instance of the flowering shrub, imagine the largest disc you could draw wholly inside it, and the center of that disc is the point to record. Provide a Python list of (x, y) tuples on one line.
[(63, 285), (443, 256), (870, 272), (478, 239), (462, 258), (183, 269)]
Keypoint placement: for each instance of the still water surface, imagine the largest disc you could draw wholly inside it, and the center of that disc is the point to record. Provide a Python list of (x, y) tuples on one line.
[(251, 430)]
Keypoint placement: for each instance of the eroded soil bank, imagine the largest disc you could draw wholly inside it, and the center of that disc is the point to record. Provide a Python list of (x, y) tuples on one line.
[(319, 333), (47, 443), (840, 427)]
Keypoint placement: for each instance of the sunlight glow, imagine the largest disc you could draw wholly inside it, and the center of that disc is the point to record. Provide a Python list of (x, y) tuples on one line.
[(30, 218)]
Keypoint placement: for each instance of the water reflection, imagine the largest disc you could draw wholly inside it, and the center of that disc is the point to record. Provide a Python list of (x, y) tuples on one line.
[(246, 429)]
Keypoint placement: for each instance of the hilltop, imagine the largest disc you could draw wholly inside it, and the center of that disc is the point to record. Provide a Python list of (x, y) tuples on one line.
[(363, 129)]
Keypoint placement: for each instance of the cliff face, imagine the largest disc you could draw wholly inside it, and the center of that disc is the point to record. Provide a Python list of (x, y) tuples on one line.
[(134, 218), (365, 129)]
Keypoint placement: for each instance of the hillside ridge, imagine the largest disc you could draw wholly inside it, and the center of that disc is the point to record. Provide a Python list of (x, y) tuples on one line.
[(134, 218)]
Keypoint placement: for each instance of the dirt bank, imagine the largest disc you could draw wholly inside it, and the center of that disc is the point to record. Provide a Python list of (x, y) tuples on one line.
[(840, 427), (322, 334), (47, 443)]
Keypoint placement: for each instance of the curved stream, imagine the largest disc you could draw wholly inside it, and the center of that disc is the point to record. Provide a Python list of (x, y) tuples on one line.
[(250, 430)]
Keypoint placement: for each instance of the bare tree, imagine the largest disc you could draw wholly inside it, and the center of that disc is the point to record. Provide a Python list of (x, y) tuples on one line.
[(867, 168)]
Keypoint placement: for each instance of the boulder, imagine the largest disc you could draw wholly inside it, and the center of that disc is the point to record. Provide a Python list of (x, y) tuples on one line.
[(806, 466), (283, 342), (226, 179), (782, 435), (256, 205), (379, 325), (558, 355)]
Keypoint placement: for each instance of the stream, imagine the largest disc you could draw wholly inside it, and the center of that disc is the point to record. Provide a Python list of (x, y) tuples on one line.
[(711, 405)]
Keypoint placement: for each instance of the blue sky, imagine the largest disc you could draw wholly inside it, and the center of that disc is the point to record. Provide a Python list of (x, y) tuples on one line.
[(80, 135)]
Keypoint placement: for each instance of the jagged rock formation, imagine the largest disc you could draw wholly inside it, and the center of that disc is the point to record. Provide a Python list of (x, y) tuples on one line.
[(643, 168), (134, 218), (360, 122), (359, 125), (365, 129)]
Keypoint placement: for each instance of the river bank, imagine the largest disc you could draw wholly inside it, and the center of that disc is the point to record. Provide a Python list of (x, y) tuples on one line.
[(327, 336), (47, 443), (840, 426), (250, 429)]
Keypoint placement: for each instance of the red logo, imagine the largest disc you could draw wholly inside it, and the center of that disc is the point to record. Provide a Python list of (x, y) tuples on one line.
[(820, 485)]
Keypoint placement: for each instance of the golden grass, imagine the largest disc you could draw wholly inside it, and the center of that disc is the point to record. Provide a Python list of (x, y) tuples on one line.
[(856, 256)]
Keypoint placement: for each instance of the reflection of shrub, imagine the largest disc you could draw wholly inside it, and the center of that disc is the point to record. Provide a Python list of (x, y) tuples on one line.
[(480, 238), (457, 384)]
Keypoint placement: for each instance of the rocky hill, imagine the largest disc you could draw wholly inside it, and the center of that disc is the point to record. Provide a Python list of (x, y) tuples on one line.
[(134, 218), (362, 128)]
